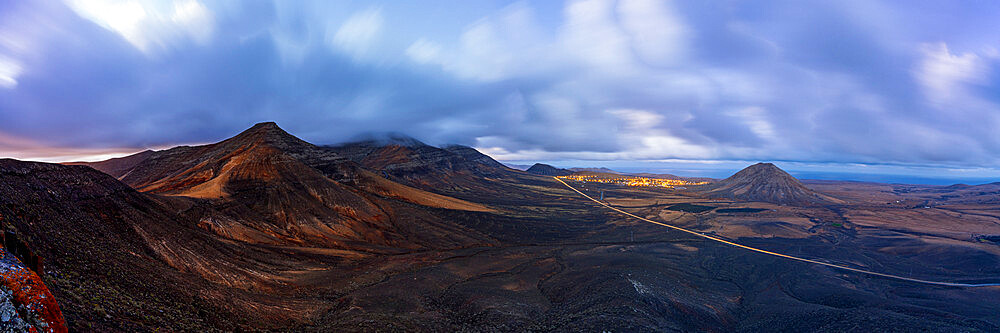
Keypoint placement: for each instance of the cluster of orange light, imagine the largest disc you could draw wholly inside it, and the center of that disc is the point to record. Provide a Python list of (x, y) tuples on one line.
[(633, 181)]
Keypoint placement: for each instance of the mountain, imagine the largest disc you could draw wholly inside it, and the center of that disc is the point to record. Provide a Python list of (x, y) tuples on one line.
[(177, 170), (274, 188), (548, 170), (765, 182), (405, 156), (257, 172)]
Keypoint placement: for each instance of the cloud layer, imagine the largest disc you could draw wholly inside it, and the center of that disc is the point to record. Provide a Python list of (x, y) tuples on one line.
[(838, 81)]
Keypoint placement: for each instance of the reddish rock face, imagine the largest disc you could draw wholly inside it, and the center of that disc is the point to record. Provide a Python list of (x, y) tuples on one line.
[(25, 301)]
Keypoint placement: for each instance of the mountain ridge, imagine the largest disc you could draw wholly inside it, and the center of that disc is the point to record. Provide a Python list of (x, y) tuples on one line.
[(452, 170)]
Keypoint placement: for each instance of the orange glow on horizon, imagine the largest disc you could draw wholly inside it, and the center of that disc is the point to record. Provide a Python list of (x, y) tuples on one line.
[(31, 150)]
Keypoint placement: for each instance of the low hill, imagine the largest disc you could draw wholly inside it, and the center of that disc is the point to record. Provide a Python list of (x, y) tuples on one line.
[(548, 170), (765, 182), (602, 170), (982, 194)]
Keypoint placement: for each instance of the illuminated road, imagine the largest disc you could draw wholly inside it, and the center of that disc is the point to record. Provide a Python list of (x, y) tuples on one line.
[(811, 261)]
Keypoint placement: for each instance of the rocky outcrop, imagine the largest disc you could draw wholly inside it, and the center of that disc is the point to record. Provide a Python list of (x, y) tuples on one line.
[(26, 305)]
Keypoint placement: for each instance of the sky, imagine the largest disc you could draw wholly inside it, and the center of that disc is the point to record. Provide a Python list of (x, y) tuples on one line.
[(902, 87)]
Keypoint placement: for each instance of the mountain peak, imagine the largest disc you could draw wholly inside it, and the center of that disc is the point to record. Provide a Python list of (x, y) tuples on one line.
[(267, 133), (762, 169), (765, 165), (265, 124), (763, 173), (269, 127)]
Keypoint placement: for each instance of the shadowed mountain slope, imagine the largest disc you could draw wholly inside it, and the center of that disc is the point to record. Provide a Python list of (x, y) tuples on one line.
[(107, 246), (765, 182)]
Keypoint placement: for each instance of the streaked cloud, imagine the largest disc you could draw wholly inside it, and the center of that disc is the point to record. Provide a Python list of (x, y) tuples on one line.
[(659, 37), (424, 51), (27, 149), (825, 81), (9, 70), (359, 32), (944, 74), (149, 25)]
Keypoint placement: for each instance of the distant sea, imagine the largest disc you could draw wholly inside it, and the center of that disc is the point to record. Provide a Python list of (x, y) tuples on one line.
[(893, 179)]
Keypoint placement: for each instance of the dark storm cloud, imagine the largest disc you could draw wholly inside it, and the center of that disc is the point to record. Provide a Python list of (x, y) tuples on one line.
[(824, 81)]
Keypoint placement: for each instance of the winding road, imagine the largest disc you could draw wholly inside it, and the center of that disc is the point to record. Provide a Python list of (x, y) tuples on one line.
[(782, 255)]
